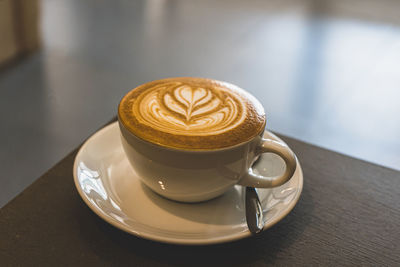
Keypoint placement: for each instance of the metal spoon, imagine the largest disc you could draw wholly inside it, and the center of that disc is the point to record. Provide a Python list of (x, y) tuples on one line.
[(254, 212)]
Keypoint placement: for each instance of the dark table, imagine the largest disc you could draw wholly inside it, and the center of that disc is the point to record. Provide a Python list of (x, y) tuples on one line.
[(348, 214)]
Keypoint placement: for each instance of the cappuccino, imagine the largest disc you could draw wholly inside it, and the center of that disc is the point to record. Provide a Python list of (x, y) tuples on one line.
[(192, 114)]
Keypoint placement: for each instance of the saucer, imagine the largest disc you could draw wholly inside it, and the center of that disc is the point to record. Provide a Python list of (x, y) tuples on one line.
[(110, 187)]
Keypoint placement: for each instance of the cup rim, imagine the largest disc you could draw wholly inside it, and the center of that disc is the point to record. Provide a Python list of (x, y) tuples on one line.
[(160, 145), (196, 150)]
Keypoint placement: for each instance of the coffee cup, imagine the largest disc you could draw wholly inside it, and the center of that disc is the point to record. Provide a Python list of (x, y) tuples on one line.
[(192, 139)]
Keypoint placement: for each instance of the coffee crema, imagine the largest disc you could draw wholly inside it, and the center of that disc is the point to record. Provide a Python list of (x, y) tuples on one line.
[(191, 113)]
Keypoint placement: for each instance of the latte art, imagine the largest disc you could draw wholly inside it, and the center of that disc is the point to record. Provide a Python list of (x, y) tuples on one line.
[(179, 108), (191, 113)]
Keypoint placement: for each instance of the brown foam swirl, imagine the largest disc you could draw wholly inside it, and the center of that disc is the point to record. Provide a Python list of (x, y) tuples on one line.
[(179, 108), (191, 113)]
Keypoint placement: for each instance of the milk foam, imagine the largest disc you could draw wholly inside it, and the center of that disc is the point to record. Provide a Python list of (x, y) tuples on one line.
[(191, 113), (184, 109)]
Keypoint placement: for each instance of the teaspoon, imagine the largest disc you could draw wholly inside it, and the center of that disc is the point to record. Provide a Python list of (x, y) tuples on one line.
[(254, 212)]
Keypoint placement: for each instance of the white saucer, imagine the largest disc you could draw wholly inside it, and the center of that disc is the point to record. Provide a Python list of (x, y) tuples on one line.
[(110, 187)]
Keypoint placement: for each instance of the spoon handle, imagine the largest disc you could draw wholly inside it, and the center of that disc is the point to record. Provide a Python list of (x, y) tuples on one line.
[(254, 212)]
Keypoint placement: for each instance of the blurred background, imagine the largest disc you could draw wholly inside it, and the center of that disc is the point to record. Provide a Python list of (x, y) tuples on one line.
[(327, 72)]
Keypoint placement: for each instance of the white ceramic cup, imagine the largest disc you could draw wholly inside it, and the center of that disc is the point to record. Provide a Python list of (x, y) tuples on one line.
[(192, 176)]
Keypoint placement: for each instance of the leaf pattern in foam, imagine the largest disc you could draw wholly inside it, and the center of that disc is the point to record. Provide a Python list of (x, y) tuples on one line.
[(190, 110)]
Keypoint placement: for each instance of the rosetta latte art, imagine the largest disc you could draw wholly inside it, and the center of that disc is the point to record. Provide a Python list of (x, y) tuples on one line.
[(179, 108)]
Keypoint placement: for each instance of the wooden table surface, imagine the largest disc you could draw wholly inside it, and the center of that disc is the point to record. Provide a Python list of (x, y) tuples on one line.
[(348, 214)]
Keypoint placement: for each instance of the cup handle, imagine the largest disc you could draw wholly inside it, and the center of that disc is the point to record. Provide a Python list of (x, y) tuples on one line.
[(282, 150)]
